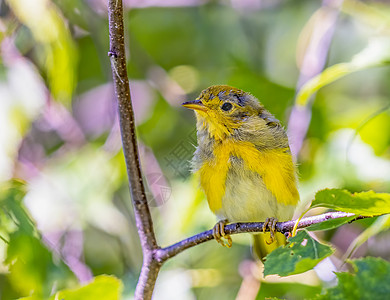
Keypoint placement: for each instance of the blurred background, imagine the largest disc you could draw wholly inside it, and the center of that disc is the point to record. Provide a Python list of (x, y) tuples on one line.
[(59, 133)]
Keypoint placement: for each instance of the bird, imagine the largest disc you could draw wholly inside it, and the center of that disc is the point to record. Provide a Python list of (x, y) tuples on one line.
[(244, 164)]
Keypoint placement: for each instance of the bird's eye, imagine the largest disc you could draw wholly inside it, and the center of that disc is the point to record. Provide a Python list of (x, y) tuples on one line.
[(226, 106)]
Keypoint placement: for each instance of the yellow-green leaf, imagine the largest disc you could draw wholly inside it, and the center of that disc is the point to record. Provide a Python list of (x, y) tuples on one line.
[(55, 47), (102, 287), (301, 254), (375, 54), (330, 224), (364, 203), (329, 75), (289, 290)]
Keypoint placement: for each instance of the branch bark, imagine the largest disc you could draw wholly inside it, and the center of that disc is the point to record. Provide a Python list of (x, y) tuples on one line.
[(143, 218)]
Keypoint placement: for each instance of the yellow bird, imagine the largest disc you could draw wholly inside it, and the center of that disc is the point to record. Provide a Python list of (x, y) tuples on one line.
[(244, 163)]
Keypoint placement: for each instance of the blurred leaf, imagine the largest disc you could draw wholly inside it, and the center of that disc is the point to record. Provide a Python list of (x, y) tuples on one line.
[(168, 44), (56, 47), (327, 76), (32, 270), (76, 12), (24, 254), (330, 224), (102, 287), (375, 130), (11, 196), (90, 68), (30, 263), (301, 254), (376, 15), (287, 290), (370, 280), (374, 55), (381, 223), (364, 203)]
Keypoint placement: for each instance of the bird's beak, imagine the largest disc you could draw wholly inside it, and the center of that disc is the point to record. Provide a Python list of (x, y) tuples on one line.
[(196, 105)]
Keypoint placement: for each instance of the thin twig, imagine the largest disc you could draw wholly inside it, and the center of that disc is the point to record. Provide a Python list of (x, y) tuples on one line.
[(165, 253), (143, 219)]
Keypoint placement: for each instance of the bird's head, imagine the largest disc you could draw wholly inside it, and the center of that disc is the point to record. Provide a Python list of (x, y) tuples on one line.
[(220, 109)]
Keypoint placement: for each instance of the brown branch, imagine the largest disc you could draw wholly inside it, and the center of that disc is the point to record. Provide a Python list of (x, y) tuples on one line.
[(143, 219), (165, 253)]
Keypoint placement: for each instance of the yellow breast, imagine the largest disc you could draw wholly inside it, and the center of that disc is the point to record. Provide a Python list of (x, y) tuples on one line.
[(275, 168)]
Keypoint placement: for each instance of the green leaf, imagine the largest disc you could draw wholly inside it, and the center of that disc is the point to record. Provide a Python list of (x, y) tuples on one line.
[(11, 201), (102, 287), (54, 45), (25, 259), (330, 224), (375, 54), (33, 297), (31, 269), (364, 203), (287, 290), (329, 75), (370, 280), (301, 254)]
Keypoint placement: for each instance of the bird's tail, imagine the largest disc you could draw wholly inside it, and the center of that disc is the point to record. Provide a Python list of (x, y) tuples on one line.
[(260, 247)]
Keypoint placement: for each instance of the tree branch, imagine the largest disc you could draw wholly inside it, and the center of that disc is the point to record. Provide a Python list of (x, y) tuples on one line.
[(143, 219), (165, 253)]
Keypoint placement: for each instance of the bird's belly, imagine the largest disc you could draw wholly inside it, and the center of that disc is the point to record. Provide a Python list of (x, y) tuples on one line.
[(247, 199)]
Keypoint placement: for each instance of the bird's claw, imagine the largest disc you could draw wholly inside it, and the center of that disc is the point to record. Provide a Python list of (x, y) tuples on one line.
[(271, 224), (219, 234)]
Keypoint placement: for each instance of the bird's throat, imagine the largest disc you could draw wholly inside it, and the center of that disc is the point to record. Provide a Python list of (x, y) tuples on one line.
[(217, 128)]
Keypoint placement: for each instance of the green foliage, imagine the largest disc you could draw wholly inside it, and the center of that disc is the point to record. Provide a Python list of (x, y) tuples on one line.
[(287, 290), (302, 253), (25, 250), (24, 276), (330, 224), (376, 54), (370, 279), (327, 76), (55, 52), (15, 215), (102, 287), (364, 203)]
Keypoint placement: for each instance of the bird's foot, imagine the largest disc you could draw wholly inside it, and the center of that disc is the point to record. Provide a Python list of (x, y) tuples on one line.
[(271, 224), (219, 234)]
